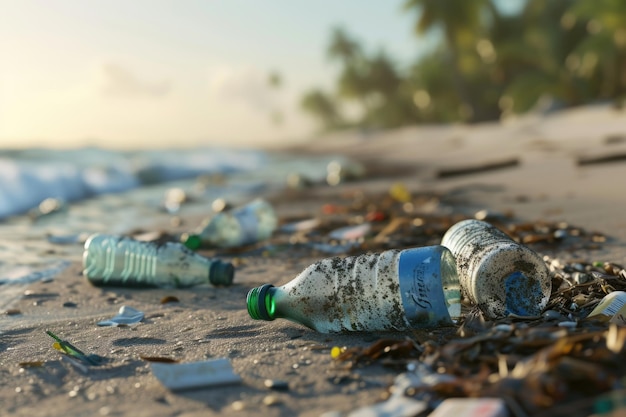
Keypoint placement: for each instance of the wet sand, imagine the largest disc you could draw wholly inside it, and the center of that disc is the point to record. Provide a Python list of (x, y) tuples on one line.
[(546, 182)]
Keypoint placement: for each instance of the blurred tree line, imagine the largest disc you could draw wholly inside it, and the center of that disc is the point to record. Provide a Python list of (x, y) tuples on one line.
[(487, 64)]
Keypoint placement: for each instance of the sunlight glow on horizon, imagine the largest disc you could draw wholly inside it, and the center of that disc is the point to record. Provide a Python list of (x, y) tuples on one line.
[(150, 73)]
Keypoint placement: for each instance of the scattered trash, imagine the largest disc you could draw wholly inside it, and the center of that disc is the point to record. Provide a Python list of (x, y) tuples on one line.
[(297, 181), (338, 173), (169, 299), (173, 200), (31, 364), (195, 374), (300, 226), (496, 273), (241, 226), (122, 261), (48, 206), (471, 407), (158, 359), (394, 290), (125, 317), (71, 239), (381, 349), (612, 308), (351, 233), (399, 192), (276, 385), (478, 168), (67, 348)]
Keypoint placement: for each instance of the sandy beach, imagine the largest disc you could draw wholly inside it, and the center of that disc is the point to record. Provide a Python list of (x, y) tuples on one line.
[(562, 167)]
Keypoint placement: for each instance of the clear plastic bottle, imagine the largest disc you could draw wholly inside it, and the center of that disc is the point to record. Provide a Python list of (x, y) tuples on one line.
[(393, 290), (496, 273), (243, 225), (122, 261)]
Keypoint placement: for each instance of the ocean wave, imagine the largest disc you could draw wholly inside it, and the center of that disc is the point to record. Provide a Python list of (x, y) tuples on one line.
[(28, 177)]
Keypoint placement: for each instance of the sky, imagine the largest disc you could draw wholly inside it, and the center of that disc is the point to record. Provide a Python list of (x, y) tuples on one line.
[(153, 73)]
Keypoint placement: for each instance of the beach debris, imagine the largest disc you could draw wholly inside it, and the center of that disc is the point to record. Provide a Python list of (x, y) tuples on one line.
[(169, 299), (601, 158), (276, 384), (333, 248), (72, 351), (183, 376), (31, 364), (173, 199), (496, 273), (338, 172), (343, 240), (471, 407), (46, 207), (271, 400), (383, 349), (351, 233), (399, 192), (478, 168), (610, 404), (125, 317), (121, 261), (158, 359), (393, 290), (68, 239), (611, 308), (300, 226), (297, 181), (244, 225)]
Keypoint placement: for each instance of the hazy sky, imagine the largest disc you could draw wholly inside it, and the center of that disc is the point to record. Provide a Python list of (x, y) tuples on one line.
[(136, 73)]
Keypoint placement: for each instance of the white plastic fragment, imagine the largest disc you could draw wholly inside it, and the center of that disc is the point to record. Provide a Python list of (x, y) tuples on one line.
[(351, 232), (126, 316), (471, 407), (300, 226), (195, 374), (612, 305)]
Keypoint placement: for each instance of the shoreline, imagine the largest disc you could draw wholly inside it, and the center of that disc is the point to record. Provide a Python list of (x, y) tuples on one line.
[(206, 322)]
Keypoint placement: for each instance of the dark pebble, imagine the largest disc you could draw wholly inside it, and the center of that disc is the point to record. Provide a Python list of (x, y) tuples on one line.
[(276, 385)]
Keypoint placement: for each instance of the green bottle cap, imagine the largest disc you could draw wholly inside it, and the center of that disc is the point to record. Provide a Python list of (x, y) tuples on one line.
[(261, 303), (193, 242), (221, 273)]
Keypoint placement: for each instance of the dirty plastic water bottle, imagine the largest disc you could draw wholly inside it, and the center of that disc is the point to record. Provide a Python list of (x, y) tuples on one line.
[(496, 273), (243, 225), (122, 261), (393, 290)]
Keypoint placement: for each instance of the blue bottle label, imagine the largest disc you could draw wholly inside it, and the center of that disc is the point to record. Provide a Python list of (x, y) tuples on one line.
[(422, 295)]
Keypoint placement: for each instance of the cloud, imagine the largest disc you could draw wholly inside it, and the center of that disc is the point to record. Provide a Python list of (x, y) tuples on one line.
[(246, 85), (119, 81)]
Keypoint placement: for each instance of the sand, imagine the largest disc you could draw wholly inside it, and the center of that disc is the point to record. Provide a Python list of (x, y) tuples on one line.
[(541, 179)]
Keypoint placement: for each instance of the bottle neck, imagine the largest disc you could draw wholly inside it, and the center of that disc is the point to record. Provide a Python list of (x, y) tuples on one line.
[(260, 302)]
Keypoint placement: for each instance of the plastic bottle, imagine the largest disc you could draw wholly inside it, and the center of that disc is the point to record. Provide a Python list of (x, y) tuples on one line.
[(496, 273), (241, 226), (122, 261), (393, 290)]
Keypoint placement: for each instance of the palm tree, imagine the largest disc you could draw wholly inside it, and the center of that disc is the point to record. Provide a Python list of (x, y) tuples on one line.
[(323, 108), (343, 47), (603, 53), (459, 20)]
